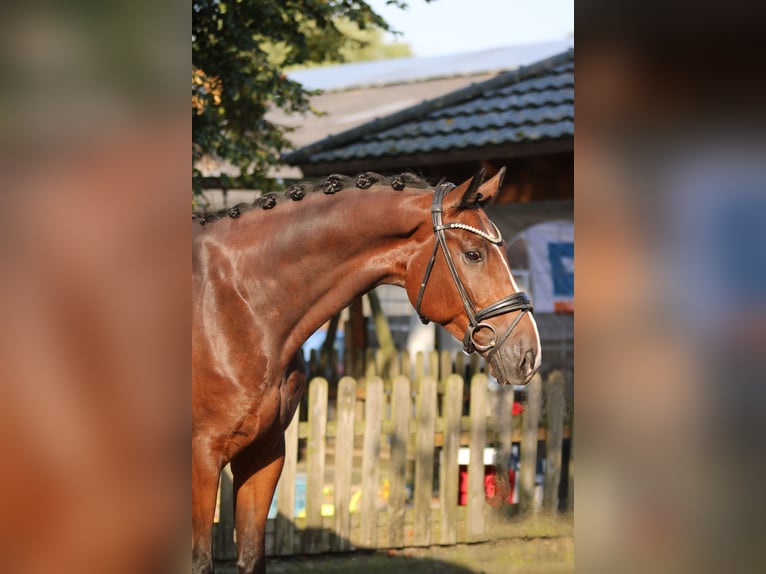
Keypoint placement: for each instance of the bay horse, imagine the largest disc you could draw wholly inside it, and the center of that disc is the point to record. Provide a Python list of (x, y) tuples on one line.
[(265, 277)]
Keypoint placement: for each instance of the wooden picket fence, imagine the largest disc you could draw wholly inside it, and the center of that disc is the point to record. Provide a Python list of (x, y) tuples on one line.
[(376, 466)]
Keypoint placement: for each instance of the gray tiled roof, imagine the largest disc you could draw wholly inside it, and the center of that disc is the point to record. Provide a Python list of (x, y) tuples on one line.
[(531, 104)]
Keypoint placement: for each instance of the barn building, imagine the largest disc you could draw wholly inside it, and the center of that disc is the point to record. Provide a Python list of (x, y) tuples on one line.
[(523, 119)]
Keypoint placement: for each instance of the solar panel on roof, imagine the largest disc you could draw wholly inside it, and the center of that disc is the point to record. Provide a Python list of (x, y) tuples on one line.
[(403, 70)]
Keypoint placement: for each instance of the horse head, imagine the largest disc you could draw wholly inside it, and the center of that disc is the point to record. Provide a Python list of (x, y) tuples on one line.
[(460, 278)]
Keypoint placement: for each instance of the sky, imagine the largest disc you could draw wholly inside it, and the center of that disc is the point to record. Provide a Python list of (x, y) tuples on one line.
[(452, 26)]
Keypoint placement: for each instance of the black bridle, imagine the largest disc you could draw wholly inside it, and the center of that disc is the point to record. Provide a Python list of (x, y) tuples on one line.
[(516, 302)]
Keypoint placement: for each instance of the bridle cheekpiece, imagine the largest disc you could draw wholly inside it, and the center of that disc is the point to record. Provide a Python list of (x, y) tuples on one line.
[(476, 319)]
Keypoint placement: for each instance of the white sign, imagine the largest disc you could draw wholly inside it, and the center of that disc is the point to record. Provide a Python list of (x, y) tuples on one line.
[(550, 247)]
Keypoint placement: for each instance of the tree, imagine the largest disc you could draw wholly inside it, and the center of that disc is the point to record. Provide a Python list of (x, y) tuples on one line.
[(363, 45), (240, 50)]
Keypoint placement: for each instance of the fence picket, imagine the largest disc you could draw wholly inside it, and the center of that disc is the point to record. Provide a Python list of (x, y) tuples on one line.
[(478, 440), (424, 463), (449, 483), (315, 463), (400, 415), (344, 458), (373, 413), (285, 529)]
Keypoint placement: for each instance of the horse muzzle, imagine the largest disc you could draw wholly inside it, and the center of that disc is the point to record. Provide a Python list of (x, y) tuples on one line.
[(515, 362)]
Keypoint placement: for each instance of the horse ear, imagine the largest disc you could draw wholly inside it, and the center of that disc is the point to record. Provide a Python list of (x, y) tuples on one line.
[(475, 192)]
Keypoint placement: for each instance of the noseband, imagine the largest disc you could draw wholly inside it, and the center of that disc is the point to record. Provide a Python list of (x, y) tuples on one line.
[(516, 302)]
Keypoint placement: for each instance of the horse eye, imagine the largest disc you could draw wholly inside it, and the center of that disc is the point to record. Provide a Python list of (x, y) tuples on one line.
[(473, 256)]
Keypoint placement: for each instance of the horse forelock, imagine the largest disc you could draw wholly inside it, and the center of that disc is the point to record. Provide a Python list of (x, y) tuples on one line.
[(329, 186)]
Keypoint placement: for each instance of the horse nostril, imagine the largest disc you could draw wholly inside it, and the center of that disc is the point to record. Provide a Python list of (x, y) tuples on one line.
[(527, 364)]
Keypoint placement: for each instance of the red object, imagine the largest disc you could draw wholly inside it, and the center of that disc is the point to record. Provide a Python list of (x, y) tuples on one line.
[(462, 497), (493, 496), (517, 409)]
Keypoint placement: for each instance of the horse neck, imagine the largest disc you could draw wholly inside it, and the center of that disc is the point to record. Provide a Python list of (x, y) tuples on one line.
[(323, 252)]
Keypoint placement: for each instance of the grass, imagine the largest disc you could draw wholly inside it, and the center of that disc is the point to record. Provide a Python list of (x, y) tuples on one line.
[(536, 545)]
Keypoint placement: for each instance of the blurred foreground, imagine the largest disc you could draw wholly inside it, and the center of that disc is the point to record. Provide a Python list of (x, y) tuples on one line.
[(671, 291), (94, 297)]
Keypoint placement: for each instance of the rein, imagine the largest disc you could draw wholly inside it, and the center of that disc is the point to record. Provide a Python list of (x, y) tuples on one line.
[(516, 302)]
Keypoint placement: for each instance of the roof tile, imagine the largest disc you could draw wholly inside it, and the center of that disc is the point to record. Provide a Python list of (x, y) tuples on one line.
[(521, 106)]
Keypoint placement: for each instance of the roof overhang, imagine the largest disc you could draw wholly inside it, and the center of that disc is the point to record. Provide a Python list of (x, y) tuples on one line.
[(403, 162)]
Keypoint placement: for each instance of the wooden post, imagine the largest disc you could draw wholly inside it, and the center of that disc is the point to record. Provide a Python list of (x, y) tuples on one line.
[(381, 366), (327, 362), (356, 332), (555, 409), (285, 530), (400, 415), (314, 366), (385, 339), (528, 463), (424, 463), (334, 364), (344, 457), (373, 415), (370, 366), (315, 464), (348, 363), (476, 495), (449, 484)]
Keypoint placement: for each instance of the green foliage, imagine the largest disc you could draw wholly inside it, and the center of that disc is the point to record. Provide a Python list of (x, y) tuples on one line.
[(240, 50), (362, 46)]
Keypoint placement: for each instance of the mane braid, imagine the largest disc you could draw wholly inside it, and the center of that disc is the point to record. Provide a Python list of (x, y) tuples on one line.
[(329, 186)]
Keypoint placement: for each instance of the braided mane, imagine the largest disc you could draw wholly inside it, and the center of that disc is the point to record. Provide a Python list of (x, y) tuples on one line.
[(328, 186)]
